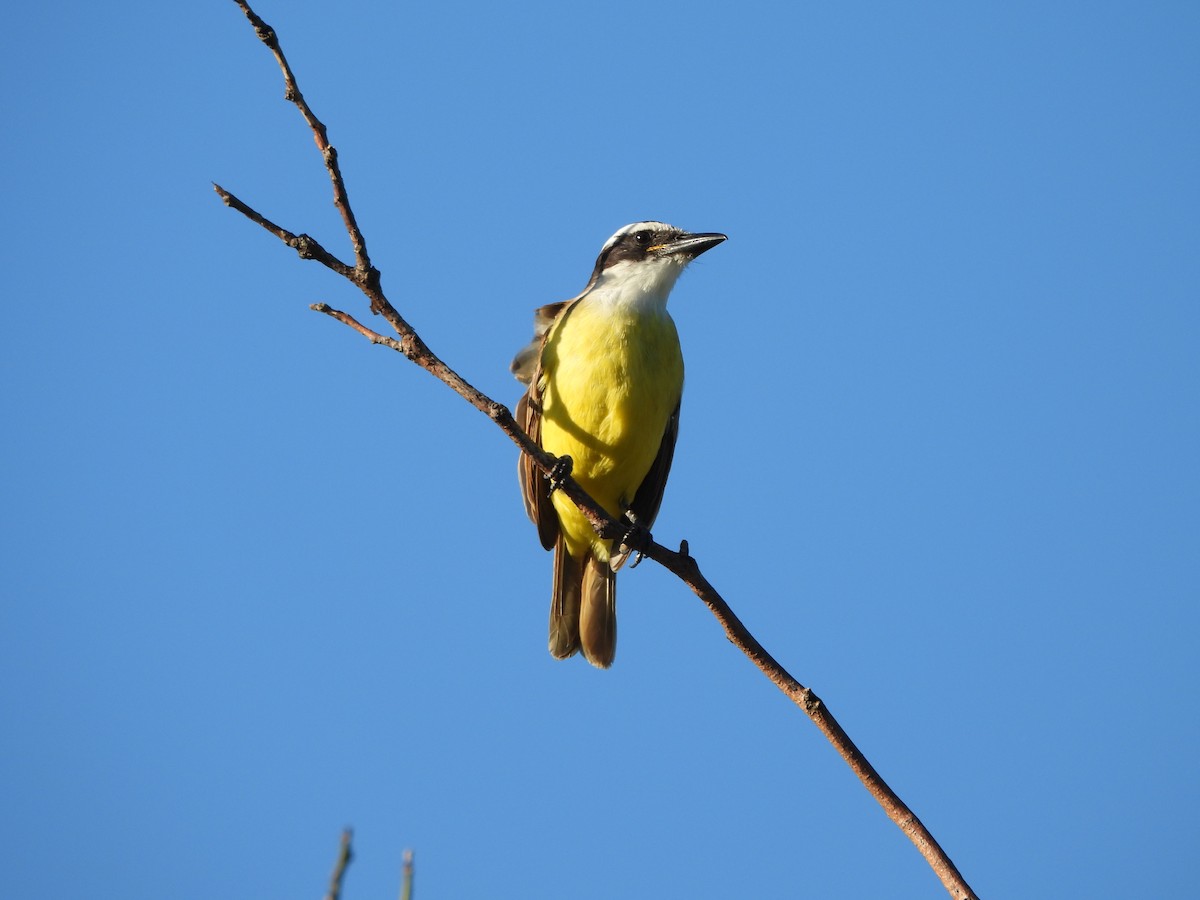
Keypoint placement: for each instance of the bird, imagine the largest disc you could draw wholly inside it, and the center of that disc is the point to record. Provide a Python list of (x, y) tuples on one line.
[(605, 378)]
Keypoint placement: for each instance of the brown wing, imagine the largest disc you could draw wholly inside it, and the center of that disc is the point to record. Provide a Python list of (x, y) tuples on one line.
[(650, 493), (526, 363), (535, 489), (526, 366)]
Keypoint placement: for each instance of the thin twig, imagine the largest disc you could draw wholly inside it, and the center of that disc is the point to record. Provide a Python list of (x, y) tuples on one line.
[(306, 246), (346, 319), (406, 878), (366, 278), (339, 868), (341, 199)]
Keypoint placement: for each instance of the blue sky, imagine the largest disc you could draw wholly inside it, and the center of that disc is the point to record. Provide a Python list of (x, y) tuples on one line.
[(939, 450)]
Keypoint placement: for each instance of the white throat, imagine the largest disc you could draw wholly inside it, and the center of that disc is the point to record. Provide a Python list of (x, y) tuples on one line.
[(642, 286)]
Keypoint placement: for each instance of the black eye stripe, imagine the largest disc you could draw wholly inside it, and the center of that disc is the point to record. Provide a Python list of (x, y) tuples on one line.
[(632, 246)]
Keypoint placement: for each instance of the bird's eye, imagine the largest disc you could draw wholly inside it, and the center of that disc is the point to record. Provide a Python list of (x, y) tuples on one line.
[(642, 238)]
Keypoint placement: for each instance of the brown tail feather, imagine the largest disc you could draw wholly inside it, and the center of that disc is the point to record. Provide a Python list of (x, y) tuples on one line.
[(598, 613), (564, 602)]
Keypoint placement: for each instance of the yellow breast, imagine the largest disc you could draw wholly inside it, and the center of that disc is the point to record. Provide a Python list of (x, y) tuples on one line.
[(612, 378)]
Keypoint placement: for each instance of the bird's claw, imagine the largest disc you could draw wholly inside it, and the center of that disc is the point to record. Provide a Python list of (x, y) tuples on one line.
[(559, 472), (635, 541)]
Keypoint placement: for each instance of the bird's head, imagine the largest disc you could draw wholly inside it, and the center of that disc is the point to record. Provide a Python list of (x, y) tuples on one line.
[(641, 262)]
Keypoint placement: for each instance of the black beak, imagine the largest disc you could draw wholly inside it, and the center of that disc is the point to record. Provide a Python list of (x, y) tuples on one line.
[(692, 245)]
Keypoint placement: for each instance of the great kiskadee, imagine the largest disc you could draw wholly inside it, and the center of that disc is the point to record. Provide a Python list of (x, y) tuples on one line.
[(605, 376)]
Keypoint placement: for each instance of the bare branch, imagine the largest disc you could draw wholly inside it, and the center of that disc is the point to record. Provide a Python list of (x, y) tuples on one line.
[(346, 319), (339, 868), (366, 278), (307, 247), (406, 880), (685, 566), (341, 200)]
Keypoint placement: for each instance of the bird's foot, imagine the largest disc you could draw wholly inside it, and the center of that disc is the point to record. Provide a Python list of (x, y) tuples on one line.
[(559, 472), (635, 541)]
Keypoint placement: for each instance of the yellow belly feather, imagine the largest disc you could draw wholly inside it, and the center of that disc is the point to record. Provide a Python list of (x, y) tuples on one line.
[(612, 379)]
